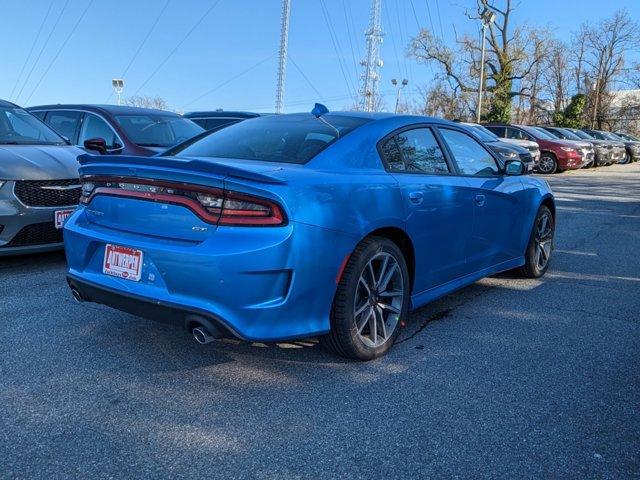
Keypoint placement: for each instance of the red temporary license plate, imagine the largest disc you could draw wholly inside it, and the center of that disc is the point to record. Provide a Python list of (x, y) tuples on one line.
[(122, 262), (60, 216)]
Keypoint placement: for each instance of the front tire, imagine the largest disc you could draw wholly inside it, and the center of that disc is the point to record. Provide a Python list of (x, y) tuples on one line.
[(371, 301), (548, 164), (538, 254)]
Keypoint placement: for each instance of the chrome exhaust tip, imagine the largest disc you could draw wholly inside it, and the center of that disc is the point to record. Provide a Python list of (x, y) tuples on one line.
[(77, 295), (202, 336)]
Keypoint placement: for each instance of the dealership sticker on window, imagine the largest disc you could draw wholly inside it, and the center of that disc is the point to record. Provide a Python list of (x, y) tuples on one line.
[(122, 262), (60, 216)]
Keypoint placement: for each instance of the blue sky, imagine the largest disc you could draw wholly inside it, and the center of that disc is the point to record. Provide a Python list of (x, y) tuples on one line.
[(229, 59)]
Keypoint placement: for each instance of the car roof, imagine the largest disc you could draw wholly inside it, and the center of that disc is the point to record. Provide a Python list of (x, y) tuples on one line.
[(223, 114), (103, 108), (4, 103)]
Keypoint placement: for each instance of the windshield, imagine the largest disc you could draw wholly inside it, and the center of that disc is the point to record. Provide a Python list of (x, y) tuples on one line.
[(611, 136), (484, 134), (151, 130), (538, 132), (19, 127), (598, 135), (286, 138), (581, 134), (628, 137), (568, 134)]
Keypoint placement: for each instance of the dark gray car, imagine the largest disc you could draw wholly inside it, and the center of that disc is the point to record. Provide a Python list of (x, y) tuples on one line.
[(39, 185)]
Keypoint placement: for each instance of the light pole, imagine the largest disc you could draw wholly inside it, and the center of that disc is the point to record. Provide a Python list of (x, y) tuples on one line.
[(399, 88), (118, 87), (487, 17)]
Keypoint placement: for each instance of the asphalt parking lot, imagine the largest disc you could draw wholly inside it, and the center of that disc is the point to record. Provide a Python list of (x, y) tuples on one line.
[(507, 378)]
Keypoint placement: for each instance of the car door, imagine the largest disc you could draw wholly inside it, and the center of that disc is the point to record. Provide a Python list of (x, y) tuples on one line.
[(438, 205), (65, 123), (498, 201)]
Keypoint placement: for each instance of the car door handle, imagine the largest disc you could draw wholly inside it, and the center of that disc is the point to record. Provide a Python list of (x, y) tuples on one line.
[(480, 200), (416, 197)]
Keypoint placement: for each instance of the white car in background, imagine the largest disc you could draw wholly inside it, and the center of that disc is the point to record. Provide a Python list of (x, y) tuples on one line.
[(528, 144)]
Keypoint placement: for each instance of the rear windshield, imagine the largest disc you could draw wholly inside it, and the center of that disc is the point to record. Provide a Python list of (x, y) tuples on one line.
[(158, 130), (286, 138)]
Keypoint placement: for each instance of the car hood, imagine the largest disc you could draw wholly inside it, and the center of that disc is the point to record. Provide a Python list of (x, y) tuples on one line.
[(505, 146), (38, 162), (577, 143), (521, 143)]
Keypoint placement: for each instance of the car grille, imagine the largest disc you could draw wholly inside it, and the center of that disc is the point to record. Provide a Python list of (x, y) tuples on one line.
[(36, 234), (48, 193)]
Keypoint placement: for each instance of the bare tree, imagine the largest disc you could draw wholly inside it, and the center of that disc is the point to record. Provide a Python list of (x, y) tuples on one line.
[(147, 102), (556, 81), (606, 44), (511, 56), (441, 100)]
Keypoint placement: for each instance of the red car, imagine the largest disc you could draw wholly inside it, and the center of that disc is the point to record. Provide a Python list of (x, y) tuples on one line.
[(555, 155)]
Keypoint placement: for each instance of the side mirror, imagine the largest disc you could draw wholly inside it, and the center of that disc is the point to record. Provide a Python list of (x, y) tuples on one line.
[(96, 144), (514, 168)]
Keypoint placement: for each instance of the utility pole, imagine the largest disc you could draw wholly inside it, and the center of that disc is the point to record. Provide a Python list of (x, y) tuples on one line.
[(284, 44), (596, 93), (373, 63), (487, 17), (399, 88)]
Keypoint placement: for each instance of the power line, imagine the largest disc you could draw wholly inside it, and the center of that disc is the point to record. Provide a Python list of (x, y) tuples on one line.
[(66, 40), (429, 14), (35, 41), (336, 49), (439, 20), (226, 82), (306, 78), (144, 41), (350, 35), (184, 38), (44, 45)]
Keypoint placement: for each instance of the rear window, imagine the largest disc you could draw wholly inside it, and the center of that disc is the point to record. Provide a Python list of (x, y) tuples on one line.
[(286, 138)]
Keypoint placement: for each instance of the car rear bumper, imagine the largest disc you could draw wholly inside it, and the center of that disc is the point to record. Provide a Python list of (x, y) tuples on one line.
[(261, 284)]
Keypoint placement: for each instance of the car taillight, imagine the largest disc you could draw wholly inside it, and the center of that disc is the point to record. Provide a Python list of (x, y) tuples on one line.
[(221, 207), (239, 209)]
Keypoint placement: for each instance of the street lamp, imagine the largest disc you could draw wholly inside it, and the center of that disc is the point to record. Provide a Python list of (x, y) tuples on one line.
[(399, 87), (118, 87), (488, 17)]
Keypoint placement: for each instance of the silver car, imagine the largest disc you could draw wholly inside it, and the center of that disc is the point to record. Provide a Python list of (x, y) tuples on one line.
[(39, 185)]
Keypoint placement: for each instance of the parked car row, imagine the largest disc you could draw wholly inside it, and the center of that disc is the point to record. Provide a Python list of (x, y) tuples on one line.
[(569, 148)]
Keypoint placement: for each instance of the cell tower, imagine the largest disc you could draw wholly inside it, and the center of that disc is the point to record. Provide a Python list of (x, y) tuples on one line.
[(284, 43), (371, 74)]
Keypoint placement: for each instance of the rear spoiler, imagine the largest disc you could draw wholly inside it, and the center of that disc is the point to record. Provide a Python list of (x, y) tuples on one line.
[(185, 164)]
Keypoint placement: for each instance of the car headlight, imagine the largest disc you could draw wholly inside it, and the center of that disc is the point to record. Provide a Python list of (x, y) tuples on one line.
[(568, 149), (509, 155)]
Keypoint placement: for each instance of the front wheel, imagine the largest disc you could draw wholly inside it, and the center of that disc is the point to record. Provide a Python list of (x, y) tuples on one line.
[(548, 164), (538, 254), (372, 299)]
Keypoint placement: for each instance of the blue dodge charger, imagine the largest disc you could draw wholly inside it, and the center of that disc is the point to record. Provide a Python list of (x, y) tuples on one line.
[(321, 224)]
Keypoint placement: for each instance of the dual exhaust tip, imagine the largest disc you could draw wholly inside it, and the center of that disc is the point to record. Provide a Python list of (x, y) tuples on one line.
[(203, 330)]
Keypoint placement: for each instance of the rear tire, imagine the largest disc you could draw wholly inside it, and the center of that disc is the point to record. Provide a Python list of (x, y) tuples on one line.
[(538, 253), (548, 164), (371, 301)]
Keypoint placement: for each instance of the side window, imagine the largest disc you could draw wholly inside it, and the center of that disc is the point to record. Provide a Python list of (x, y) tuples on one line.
[(392, 156), (95, 127), (415, 151), (40, 115), (65, 123), (200, 121), (517, 134), (496, 130), (472, 158)]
